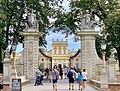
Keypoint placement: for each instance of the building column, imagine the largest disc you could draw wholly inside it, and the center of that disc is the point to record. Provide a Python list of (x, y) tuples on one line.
[(7, 68), (112, 70), (104, 79), (89, 55), (31, 53)]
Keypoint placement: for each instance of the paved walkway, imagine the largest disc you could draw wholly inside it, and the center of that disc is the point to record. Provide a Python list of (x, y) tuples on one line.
[(62, 86)]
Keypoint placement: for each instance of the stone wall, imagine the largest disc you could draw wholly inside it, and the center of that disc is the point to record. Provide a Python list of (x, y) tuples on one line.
[(114, 87), (118, 78), (19, 68)]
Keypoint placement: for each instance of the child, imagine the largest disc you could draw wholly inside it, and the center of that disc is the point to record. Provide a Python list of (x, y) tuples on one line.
[(80, 78), (85, 75)]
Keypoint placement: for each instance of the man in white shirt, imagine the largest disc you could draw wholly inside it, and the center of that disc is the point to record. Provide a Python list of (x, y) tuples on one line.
[(85, 75)]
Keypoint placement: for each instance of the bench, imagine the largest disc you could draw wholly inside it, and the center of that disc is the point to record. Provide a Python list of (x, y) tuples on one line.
[(95, 83), (24, 81)]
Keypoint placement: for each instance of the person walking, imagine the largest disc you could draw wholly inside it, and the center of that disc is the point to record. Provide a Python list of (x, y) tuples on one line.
[(47, 73), (55, 75), (80, 79), (85, 75), (38, 77), (71, 76), (65, 70), (60, 71)]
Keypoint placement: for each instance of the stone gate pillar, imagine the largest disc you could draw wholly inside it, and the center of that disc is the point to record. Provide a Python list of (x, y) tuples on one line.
[(89, 56), (30, 54)]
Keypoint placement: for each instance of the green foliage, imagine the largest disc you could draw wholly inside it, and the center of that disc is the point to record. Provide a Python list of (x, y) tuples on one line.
[(71, 20), (99, 50), (41, 67), (113, 28), (11, 16)]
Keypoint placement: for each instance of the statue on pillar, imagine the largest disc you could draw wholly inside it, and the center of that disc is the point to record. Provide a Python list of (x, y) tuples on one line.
[(86, 22), (7, 54), (113, 51), (30, 20)]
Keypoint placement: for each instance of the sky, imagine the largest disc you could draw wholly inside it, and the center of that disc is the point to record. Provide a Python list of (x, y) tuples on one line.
[(72, 45)]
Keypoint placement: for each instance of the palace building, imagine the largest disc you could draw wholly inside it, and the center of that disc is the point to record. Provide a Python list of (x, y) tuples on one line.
[(59, 55)]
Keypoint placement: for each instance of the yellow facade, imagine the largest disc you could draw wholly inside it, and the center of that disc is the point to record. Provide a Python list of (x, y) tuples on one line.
[(60, 54)]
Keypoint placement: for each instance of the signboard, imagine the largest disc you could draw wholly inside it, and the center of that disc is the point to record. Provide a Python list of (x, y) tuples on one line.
[(1, 86), (16, 85)]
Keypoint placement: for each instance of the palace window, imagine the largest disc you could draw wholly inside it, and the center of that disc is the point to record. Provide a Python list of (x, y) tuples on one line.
[(50, 65), (64, 51), (76, 60), (77, 65), (54, 51), (59, 51), (64, 64)]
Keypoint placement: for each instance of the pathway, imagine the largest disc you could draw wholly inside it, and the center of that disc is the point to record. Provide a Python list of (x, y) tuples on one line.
[(62, 86)]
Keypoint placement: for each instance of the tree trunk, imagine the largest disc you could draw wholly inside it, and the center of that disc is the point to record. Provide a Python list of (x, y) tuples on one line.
[(1, 64), (0, 54), (118, 54)]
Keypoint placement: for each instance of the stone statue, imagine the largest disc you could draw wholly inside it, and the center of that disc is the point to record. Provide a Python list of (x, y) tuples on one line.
[(30, 20), (113, 51), (7, 54), (33, 23), (86, 22)]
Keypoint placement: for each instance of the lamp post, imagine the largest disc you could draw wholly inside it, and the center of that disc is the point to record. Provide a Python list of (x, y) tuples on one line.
[(103, 46), (14, 46)]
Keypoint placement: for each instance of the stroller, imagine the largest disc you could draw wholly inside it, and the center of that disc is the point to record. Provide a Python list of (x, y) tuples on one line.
[(38, 82), (41, 80)]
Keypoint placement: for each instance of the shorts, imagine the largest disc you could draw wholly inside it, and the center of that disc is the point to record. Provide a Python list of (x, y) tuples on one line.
[(54, 80), (71, 80), (80, 82)]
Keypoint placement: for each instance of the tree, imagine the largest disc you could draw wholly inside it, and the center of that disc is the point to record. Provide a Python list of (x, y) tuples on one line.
[(11, 18), (71, 20), (113, 28), (105, 10)]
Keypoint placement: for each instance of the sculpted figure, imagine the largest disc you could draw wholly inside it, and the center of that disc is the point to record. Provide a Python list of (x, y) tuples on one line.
[(86, 21), (7, 54)]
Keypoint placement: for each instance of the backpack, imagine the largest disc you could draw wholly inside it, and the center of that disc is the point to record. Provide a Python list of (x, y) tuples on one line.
[(80, 77), (70, 74)]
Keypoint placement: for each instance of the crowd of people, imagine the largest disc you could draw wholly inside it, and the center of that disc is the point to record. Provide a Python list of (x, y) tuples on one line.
[(58, 73)]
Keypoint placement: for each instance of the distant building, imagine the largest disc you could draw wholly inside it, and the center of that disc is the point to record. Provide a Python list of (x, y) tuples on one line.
[(59, 55)]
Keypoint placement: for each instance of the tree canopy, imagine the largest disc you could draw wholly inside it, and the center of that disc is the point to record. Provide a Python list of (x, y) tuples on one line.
[(108, 14), (11, 18)]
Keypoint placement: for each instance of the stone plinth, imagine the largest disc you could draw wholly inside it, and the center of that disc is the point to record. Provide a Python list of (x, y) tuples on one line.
[(112, 70), (89, 55), (104, 79), (31, 53), (7, 67)]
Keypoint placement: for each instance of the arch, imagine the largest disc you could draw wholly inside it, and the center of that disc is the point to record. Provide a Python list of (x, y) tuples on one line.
[(74, 56), (46, 57)]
